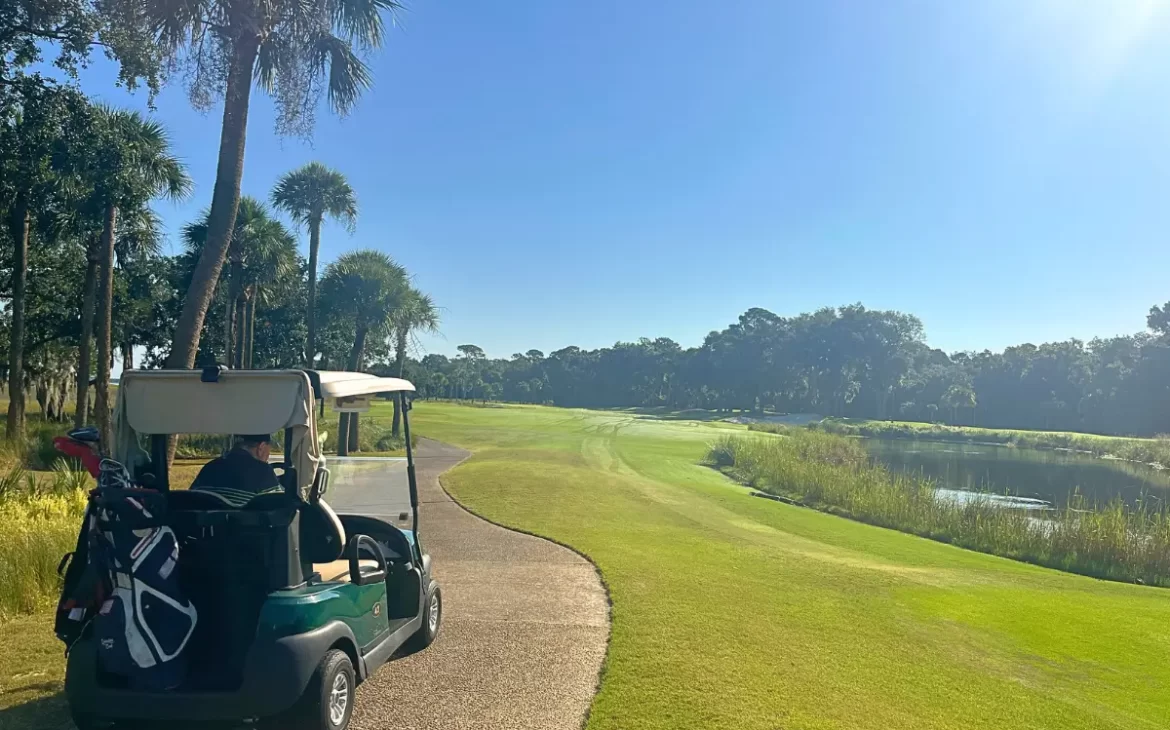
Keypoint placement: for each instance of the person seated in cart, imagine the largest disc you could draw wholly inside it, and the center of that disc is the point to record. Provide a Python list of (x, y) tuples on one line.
[(241, 473)]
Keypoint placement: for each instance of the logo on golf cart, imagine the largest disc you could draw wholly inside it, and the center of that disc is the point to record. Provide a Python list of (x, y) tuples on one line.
[(377, 610)]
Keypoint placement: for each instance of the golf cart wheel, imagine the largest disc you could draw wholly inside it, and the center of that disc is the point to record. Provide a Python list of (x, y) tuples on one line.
[(432, 617), (326, 703)]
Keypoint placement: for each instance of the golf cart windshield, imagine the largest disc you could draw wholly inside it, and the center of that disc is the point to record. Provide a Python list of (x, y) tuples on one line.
[(382, 487), (374, 486)]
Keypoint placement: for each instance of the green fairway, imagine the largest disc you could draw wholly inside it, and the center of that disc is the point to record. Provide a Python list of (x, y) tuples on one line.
[(736, 612)]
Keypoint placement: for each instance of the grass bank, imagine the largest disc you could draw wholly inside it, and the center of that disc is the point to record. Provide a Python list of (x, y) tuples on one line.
[(1145, 450), (736, 612), (833, 473)]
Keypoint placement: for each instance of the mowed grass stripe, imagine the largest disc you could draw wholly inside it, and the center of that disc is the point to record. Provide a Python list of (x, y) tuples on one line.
[(735, 612)]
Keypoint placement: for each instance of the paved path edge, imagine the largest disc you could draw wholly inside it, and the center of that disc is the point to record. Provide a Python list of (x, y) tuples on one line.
[(600, 576)]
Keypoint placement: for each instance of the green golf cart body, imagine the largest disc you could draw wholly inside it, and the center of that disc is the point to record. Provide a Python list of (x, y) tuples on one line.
[(296, 604)]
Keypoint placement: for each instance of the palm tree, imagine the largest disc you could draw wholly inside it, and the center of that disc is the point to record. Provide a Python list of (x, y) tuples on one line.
[(134, 165), (270, 261), (418, 312), (308, 195), (258, 241), (139, 235), (363, 290), (293, 50)]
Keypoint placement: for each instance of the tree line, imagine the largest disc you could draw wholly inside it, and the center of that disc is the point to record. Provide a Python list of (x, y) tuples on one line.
[(840, 361), (82, 273)]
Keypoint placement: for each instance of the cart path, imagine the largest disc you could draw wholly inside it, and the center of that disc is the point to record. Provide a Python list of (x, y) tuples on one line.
[(525, 627)]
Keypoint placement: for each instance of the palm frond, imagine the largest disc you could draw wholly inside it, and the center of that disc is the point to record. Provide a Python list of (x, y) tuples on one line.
[(367, 287), (313, 191), (194, 235), (348, 76), (361, 20), (140, 235)]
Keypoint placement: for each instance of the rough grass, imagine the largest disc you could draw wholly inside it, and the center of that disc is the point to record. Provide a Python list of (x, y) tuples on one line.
[(1146, 450), (39, 519), (31, 672), (733, 612), (833, 473)]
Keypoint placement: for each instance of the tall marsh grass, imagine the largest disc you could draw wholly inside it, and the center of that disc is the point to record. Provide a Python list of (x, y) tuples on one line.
[(833, 474), (40, 515), (1145, 450)]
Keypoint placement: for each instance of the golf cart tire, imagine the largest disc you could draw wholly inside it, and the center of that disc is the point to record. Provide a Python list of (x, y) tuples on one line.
[(425, 636), (312, 710)]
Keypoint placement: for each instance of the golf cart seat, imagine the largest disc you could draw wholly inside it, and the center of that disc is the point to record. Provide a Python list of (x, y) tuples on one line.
[(338, 570), (324, 545), (322, 536)]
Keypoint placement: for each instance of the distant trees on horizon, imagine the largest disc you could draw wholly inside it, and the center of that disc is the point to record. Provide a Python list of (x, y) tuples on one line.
[(839, 361)]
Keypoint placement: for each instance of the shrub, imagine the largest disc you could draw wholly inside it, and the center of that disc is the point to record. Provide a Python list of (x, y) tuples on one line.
[(39, 520)]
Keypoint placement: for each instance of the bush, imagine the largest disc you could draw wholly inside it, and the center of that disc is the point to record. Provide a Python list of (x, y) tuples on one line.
[(40, 516), (1112, 541)]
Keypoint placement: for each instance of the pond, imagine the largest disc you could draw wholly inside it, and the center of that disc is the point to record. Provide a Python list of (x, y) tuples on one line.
[(1024, 478)]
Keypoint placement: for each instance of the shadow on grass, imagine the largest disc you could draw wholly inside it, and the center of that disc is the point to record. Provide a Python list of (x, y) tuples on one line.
[(44, 713)]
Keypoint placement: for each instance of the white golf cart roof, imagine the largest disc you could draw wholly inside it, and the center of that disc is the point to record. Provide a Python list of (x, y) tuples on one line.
[(154, 402), (338, 384)]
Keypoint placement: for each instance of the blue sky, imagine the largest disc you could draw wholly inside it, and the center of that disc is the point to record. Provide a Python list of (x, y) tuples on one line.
[(563, 173)]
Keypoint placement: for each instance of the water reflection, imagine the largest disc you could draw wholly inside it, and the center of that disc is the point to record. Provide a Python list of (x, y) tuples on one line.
[(1024, 477)]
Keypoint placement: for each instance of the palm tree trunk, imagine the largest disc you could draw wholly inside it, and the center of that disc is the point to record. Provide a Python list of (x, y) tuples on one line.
[(311, 309), (355, 363), (20, 225), (239, 334), (225, 201), (400, 367), (105, 306), (233, 351), (84, 352), (229, 330), (127, 350), (248, 363)]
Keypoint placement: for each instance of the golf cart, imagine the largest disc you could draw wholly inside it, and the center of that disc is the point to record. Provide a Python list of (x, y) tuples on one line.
[(289, 604)]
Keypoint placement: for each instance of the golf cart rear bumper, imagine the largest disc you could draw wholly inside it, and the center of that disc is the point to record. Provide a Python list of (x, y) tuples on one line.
[(275, 675)]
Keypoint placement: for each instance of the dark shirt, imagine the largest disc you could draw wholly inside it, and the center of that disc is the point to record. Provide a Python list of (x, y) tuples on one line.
[(237, 471)]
